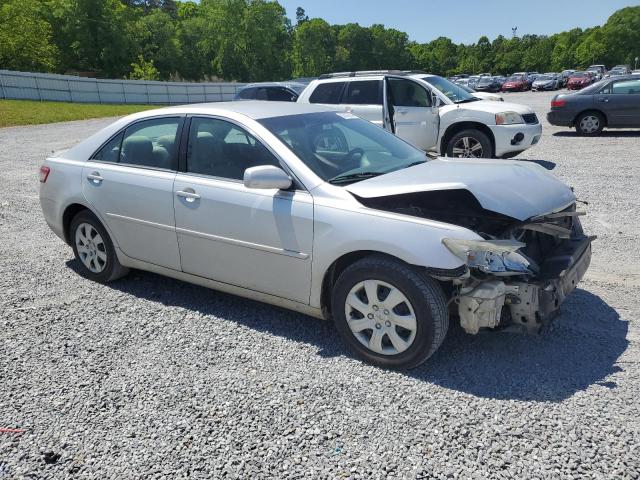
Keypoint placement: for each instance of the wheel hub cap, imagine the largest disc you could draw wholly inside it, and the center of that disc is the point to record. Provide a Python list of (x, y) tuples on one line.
[(467, 147), (91, 248), (381, 317)]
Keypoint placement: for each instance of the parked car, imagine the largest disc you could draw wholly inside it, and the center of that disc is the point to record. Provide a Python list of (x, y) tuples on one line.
[(473, 81), (482, 95), (323, 213), (488, 84), (516, 83), (619, 70), (271, 91), (564, 75), (500, 79), (598, 71), (610, 103), (430, 112), (579, 80), (546, 82)]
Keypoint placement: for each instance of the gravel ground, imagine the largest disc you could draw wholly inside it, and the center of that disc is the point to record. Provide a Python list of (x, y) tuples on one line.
[(153, 378)]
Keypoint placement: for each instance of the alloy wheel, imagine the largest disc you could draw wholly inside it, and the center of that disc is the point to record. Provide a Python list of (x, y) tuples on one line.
[(467, 147), (380, 317), (91, 248), (590, 124)]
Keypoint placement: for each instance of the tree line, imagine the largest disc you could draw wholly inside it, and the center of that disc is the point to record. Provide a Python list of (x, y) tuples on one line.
[(254, 40)]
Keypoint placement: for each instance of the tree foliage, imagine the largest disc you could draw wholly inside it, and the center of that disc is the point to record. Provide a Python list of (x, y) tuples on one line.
[(254, 40)]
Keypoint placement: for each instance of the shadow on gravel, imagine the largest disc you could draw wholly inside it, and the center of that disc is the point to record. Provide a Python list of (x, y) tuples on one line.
[(580, 349), (543, 163), (605, 134)]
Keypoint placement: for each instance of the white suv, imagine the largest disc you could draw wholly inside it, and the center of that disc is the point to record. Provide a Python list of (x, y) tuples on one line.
[(430, 112)]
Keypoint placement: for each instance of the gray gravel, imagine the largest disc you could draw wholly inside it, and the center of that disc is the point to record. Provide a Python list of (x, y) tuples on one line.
[(154, 378)]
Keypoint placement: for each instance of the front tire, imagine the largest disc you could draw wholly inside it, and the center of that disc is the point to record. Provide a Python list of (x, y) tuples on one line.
[(469, 143), (589, 124), (388, 313), (94, 249)]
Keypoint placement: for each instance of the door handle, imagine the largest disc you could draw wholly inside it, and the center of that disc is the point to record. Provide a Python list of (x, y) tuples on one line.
[(605, 100), (403, 112), (188, 196), (95, 178)]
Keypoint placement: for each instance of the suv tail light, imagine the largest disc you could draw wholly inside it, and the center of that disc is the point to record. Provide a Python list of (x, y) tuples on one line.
[(44, 173), (558, 103)]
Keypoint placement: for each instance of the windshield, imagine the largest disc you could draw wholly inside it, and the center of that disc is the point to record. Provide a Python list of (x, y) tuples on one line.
[(486, 81), (593, 88), (452, 91), (544, 77), (579, 74), (515, 78), (342, 148)]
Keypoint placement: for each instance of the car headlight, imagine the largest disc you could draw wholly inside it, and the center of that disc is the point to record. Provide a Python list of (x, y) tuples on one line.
[(508, 118), (490, 256)]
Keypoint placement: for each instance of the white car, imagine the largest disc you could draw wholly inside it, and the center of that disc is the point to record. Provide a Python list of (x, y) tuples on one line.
[(430, 112), (324, 213)]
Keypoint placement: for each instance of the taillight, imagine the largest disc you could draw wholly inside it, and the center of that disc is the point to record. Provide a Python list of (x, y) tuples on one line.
[(558, 103), (44, 173)]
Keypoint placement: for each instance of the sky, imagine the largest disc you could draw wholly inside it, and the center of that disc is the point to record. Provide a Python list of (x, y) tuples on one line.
[(464, 21)]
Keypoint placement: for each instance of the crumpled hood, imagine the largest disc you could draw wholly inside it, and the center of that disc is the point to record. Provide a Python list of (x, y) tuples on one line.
[(518, 189)]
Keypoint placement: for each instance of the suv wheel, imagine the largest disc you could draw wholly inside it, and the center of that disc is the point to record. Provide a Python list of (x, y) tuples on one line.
[(590, 123), (93, 249), (469, 144), (389, 313)]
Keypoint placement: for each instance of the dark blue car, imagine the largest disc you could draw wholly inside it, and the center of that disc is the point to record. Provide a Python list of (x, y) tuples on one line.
[(609, 103)]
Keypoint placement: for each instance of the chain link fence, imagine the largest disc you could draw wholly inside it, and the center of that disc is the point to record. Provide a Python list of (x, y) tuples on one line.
[(67, 88)]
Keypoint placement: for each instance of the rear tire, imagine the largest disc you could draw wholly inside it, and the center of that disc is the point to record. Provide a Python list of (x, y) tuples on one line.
[(94, 249), (404, 322), (589, 124), (476, 145)]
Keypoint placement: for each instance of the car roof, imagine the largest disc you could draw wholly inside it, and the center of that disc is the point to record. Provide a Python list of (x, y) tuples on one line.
[(255, 109), (274, 84)]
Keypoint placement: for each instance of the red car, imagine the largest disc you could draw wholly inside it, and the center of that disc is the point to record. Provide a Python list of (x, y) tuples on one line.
[(516, 83), (579, 80)]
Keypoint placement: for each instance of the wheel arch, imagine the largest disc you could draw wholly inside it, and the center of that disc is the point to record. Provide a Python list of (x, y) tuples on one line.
[(458, 127), (332, 274), (71, 211)]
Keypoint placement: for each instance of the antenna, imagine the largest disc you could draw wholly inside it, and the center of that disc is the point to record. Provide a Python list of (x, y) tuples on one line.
[(514, 32)]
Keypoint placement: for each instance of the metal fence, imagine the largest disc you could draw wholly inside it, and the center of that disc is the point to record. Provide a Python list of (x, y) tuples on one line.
[(67, 88)]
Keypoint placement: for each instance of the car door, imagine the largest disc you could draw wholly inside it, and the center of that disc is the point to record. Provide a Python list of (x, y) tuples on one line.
[(257, 239), (364, 99), (412, 116), (129, 183), (620, 100)]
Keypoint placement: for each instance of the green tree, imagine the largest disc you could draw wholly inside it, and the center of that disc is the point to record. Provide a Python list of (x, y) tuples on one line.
[(26, 37), (353, 49), (314, 47), (156, 37), (144, 70)]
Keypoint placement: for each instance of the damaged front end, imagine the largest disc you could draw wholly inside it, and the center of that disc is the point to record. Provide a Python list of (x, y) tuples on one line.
[(522, 279), (519, 274)]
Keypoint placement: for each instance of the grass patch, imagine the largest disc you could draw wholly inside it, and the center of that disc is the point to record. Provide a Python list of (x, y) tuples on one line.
[(26, 112)]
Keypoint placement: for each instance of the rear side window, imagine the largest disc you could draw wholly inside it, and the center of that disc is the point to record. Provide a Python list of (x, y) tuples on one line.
[(626, 87), (150, 143), (327, 93), (281, 95), (368, 92), (248, 93), (111, 151)]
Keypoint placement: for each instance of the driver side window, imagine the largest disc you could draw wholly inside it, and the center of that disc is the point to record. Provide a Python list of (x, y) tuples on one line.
[(406, 93), (221, 149)]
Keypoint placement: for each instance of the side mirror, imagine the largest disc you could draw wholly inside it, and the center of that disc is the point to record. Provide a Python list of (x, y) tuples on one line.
[(266, 177), (435, 100)]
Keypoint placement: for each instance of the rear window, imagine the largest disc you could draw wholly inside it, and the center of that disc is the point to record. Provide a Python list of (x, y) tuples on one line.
[(248, 93), (368, 92), (327, 93)]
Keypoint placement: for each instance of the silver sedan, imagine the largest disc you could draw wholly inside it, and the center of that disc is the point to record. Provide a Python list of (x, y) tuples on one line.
[(324, 213)]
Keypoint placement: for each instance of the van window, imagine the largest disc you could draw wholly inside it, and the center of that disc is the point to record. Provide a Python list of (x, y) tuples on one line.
[(366, 92), (327, 93), (405, 93)]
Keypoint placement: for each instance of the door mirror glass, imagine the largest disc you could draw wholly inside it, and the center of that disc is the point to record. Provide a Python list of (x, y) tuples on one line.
[(266, 177), (435, 100)]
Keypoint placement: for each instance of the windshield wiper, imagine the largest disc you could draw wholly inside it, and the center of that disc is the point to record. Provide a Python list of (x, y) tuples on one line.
[(353, 177)]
